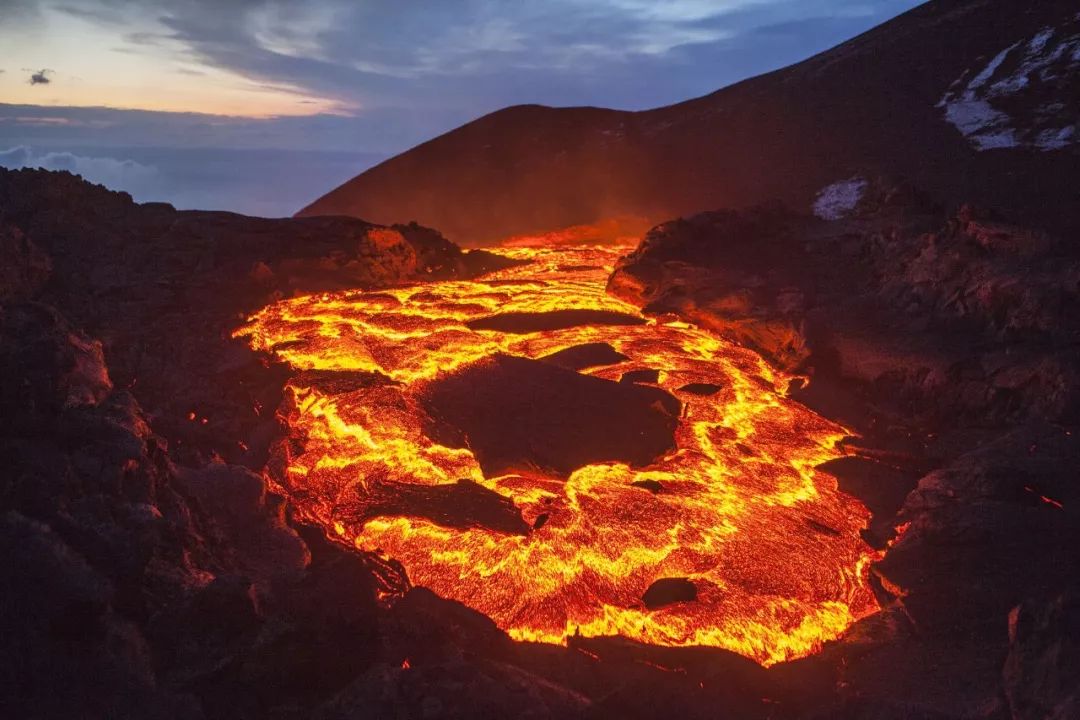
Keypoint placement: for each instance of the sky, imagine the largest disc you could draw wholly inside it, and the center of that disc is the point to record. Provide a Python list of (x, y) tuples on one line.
[(260, 106)]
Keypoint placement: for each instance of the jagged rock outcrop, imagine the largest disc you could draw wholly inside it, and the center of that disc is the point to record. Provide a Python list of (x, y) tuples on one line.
[(145, 573), (163, 291), (134, 588), (939, 316), (24, 268), (1042, 672), (145, 569), (947, 342)]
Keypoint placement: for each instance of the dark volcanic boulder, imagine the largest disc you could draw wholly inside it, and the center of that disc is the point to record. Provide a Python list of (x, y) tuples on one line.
[(518, 414), (881, 487), (24, 267), (589, 355), (45, 364), (1042, 671), (666, 591), (735, 273), (702, 389), (641, 376), (66, 652), (462, 505)]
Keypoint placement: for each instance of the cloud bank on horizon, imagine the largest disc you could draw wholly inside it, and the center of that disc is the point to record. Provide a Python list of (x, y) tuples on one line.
[(374, 77)]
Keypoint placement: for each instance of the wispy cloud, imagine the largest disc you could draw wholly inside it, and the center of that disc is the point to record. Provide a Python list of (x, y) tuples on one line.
[(470, 56), (257, 182)]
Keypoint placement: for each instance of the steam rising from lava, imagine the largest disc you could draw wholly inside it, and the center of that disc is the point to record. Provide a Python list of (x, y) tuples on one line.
[(772, 548)]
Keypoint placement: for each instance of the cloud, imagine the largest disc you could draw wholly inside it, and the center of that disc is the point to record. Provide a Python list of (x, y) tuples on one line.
[(378, 131), (102, 14), (41, 77), (270, 183), (456, 60), (406, 72), (114, 173)]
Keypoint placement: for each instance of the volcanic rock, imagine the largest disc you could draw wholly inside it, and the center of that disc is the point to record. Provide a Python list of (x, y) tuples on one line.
[(589, 355), (67, 652), (455, 688), (703, 389), (881, 488), (666, 591), (163, 290), (648, 377), (684, 682), (947, 341), (135, 585), (1042, 671), (24, 268), (461, 505), (928, 316), (264, 546), (974, 543), (336, 382), (60, 367), (994, 518), (518, 414)]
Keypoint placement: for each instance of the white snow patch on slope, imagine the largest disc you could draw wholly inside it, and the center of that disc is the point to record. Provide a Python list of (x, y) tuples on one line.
[(1051, 58), (836, 201)]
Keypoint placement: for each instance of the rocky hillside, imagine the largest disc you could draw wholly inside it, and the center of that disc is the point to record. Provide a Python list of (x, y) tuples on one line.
[(163, 290), (975, 101), (948, 343), (146, 571)]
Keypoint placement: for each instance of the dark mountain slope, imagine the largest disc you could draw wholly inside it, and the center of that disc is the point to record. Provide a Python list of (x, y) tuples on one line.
[(930, 96)]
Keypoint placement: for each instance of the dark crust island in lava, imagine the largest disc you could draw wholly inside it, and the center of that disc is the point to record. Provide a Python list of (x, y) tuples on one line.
[(522, 415)]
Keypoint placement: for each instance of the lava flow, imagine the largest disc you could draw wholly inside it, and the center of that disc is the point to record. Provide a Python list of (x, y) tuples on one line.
[(771, 548)]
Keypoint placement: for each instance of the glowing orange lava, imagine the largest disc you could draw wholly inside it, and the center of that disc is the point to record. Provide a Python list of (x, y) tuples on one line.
[(772, 547)]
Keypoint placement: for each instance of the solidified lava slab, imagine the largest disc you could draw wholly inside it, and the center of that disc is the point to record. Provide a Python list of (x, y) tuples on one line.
[(463, 504), (702, 389), (650, 377), (584, 356), (519, 414), (666, 591)]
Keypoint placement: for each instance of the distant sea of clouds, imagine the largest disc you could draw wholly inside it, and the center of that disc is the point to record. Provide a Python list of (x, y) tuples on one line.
[(267, 183)]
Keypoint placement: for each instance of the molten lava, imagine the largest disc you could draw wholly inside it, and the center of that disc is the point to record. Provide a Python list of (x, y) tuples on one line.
[(772, 549)]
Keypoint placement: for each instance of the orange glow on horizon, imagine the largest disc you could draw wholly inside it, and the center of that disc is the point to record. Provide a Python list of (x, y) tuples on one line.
[(241, 102), (96, 66)]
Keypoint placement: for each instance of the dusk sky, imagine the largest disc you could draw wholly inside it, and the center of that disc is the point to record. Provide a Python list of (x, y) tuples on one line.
[(262, 105)]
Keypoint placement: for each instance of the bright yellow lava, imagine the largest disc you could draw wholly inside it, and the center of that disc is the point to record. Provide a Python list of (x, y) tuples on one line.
[(772, 547)]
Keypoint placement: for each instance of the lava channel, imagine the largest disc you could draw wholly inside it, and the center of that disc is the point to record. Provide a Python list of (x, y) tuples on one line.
[(723, 537)]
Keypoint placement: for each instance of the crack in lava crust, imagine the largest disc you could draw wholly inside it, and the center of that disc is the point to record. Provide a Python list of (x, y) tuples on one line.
[(773, 549)]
